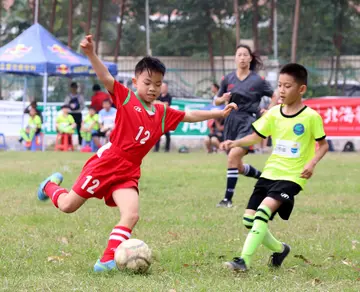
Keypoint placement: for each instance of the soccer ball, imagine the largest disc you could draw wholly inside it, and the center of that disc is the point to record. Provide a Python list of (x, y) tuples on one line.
[(133, 254)]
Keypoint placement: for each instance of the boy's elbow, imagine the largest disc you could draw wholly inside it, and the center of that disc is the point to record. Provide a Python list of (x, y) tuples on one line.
[(188, 118), (324, 145)]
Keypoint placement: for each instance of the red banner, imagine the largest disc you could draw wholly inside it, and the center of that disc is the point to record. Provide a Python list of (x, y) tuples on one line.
[(341, 116)]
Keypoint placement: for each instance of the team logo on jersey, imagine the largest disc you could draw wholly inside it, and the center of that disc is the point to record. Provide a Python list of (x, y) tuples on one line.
[(299, 129), (294, 149), (137, 108), (230, 86)]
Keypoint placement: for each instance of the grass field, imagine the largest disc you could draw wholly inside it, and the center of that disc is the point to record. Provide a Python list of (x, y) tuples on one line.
[(42, 249)]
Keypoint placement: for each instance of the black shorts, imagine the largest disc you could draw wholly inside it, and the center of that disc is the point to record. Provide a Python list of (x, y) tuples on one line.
[(219, 137), (280, 190), (99, 133), (238, 125)]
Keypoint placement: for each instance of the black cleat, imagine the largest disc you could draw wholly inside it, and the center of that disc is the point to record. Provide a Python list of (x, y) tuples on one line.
[(238, 264), (277, 258), (225, 204)]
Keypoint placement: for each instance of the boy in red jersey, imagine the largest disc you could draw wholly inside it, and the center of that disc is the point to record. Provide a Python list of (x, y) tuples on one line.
[(113, 172)]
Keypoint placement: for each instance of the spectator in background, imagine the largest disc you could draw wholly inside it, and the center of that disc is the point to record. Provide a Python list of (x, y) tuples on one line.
[(65, 123), (215, 137), (107, 122), (214, 90), (76, 103), (98, 98), (166, 99), (33, 127), (90, 125), (33, 104)]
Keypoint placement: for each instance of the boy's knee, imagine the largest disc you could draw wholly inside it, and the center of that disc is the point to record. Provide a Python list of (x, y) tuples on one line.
[(67, 208), (131, 217)]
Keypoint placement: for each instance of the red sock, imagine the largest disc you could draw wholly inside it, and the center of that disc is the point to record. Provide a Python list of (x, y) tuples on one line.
[(53, 191), (117, 236)]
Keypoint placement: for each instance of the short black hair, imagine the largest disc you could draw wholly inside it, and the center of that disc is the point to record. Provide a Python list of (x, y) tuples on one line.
[(91, 108), (65, 106), (73, 85), (96, 87), (297, 71), (216, 85), (150, 64), (107, 100)]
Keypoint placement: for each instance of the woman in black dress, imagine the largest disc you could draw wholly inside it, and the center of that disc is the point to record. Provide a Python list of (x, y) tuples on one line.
[(246, 88)]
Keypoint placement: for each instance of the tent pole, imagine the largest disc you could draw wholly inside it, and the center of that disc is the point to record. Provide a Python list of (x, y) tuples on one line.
[(45, 115), (24, 101)]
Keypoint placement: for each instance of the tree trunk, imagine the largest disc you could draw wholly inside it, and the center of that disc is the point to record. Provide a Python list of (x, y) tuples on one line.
[(331, 71), (222, 48), (98, 26), (271, 27), (119, 30), (53, 13), (255, 24), (295, 31), (338, 39), (70, 23), (237, 21), (32, 3), (211, 55), (169, 24), (89, 16)]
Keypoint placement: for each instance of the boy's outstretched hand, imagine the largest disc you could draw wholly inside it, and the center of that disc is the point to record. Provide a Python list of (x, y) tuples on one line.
[(87, 45), (229, 108), (227, 145)]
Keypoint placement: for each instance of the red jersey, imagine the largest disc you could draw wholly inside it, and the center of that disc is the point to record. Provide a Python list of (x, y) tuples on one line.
[(137, 127), (97, 100)]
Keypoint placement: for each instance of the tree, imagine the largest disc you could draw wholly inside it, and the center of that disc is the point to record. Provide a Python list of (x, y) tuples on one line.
[(70, 23), (89, 16), (119, 30), (255, 23), (295, 31), (53, 13), (237, 21), (98, 25), (271, 26), (340, 7)]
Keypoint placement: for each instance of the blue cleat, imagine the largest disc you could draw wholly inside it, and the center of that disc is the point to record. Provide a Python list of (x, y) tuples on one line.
[(55, 178), (104, 267)]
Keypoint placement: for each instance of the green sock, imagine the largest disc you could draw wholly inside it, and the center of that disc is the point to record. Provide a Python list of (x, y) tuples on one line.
[(257, 233), (272, 243), (248, 221), (269, 240)]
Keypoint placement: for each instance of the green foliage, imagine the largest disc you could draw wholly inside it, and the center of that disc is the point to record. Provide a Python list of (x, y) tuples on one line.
[(186, 35)]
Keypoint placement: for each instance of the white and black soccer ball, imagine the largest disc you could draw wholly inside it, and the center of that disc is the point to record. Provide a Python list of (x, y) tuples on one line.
[(133, 254)]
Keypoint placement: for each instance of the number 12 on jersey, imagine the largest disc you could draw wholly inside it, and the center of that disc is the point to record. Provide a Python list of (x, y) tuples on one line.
[(145, 136)]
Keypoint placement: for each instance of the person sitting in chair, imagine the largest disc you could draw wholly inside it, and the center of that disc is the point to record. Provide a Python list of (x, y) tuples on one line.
[(65, 123), (107, 122), (33, 128), (89, 125), (215, 137)]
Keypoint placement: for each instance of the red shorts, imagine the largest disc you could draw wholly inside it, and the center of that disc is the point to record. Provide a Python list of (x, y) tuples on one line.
[(101, 176)]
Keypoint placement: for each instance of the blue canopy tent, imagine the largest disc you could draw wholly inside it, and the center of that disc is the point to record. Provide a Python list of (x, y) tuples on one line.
[(37, 52)]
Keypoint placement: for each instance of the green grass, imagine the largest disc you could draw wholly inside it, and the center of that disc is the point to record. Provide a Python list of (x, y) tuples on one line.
[(178, 219)]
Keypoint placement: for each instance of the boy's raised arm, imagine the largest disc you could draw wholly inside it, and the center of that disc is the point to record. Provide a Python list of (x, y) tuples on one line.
[(100, 69)]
